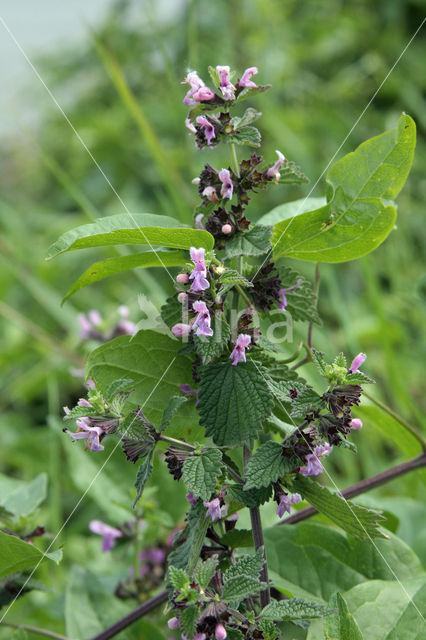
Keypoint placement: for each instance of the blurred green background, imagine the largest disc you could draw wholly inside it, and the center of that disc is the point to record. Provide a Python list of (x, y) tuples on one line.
[(119, 86)]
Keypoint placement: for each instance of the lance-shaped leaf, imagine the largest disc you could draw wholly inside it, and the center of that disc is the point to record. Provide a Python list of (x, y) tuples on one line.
[(233, 401), (294, 609), (188, 619), (187, 554), (205, 571), (16, 555), (112, 266), (138, 228), (358, 215), (170, 411), (266, 466), (142, 475), (200, 472), (356, 520), (240, 587)]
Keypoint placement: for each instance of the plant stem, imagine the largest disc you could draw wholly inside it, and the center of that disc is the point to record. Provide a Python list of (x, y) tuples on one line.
[(179, 443), (29, 628), (364, 485), (243, 294), (131, 617), (398, 418), (234, 160), (315, 303)]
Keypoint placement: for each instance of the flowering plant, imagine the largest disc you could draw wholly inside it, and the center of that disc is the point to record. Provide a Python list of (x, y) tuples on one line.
[(213, 389)]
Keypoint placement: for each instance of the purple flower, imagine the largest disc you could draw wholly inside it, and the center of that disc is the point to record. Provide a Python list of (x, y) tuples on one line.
[(213, 509), (220, 632), (190, 126), (314, 466), (211, 194), (189, 391), (199, 273), (226, 87), (227, 189), (285, 503), (198, 221), (95, 317), (202, 321), (173, 623), (356, 423), (109, 534), (191, 499), (88, 433), (357, 362), (83, 403), (198, 92), (181, 330), (239, 352), (273, 171), (208, 128), (88, 325), (245, 80), (283, 302)]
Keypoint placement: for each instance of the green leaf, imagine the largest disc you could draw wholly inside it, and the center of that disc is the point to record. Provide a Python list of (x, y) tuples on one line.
[(178, 578), (231, 276), (142, 476), (153, 362), (25, 499), (245, 566), (172, 407), (249, 92), (341, 625), (254, 242), (290, 209), (249, 116), (320, 362), (293, 609), (354, 519), (300, 301), (137, 228), (205, 571), (112, 266), (188, 619), (245, 135), (237, 538), (269, 629), (212, 347), (240, 587), (251, 497), (291, 173), (200, 472), (16, 555), (308, 401), (320, 560), (357, 216), (390, 428), (186, 555), (233, 401), (266, 466)]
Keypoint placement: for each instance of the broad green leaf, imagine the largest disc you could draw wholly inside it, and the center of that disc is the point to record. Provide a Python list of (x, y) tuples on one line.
[(152, 361), (249, 136), (250, 498), (269, 629), (188, 619), (390, 428), (142, 475), (16, 555), (320, 560), (112, 266), (26, 497), (358, 215), (291, 173), (307, 401), (254, 242), (301, 300), (240, 587), (245, 566), (172, 407), (205, 571), (138, 228), (341, 625), (294, 609), (233, 401), (266, 466), (200, 472), (231, 276), (352, 518), (290, 209), (249, 116)]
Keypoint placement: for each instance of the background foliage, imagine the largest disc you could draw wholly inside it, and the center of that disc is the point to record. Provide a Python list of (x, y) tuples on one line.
[(121, 92)]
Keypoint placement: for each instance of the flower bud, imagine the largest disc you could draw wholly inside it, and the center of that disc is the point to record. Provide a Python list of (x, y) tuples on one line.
[(173, 623), (196, 181), (182, 297), (220, 632), (227, 229), (356, 423), (182, 278), (181, 330)]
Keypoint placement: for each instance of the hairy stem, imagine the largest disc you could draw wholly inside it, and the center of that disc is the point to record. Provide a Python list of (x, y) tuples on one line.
[(30, 629), (234, 160), (364, 485), (398, 418)]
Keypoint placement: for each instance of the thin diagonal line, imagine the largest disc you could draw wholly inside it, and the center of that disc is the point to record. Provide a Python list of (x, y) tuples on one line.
[(83, 144), (348, 504), (82, 497), (343, 142)]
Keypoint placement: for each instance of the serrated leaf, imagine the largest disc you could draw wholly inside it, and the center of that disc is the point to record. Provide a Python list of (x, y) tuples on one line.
[(80, 412), (308, 401), (341, 624), (200, 472), (110, 267), (245, 566), (234, 634), (122, 385), (240, 587), (205, 571), (319, 361), (178, 578), (188, 619), (340, 361), (266, 466), (249, 136), (291, 173), (138, 228), (254, 242), (143, 475), (301, 301), (356, 520), (233, 401), (231, 276), (172, 407), (268, 628), (358, 378), (187, 554), (358, 215), (294, 609), (212, 347), (252, 497)]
